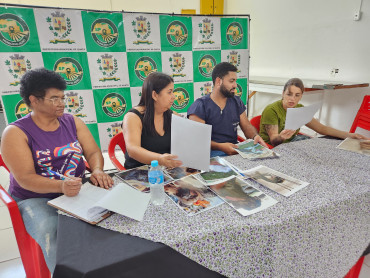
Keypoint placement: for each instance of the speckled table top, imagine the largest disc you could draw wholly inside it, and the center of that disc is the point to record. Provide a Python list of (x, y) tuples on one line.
[(320, 231)]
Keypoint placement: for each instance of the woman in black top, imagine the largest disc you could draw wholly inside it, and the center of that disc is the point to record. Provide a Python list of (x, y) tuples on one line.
[(147, 126)]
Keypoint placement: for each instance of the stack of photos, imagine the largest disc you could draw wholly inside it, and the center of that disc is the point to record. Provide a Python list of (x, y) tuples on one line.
[(138, 178), (219, 170), (180, 172), (249, 150), (352, 145), (191, 196), (243, 197), (276, 181)]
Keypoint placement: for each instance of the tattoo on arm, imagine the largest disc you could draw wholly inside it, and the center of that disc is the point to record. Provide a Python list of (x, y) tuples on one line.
[(277, 140)]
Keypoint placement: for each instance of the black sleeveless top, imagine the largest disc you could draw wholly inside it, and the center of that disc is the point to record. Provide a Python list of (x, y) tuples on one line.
[(158, 144)]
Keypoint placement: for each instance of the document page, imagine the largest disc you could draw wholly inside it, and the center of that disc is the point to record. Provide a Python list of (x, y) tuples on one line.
[(125, 200), (297, 117), (191, 142), (80, 204)]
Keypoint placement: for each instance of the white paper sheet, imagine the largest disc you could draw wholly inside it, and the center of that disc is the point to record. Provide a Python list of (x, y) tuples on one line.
[(80, 204), (125, 200), (297, 117), (191, 142)]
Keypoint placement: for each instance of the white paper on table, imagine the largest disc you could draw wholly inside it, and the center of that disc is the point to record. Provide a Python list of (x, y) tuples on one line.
[(125, 200), (297, 117), (191, 142)]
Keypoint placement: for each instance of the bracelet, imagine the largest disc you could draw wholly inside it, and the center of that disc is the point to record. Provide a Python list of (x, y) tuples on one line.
[(254, 136)]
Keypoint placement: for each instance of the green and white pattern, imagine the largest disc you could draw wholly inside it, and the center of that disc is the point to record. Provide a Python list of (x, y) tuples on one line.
[(104, 58)]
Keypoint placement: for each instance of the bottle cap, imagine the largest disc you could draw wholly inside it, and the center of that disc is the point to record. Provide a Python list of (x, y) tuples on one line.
[(154, 163)]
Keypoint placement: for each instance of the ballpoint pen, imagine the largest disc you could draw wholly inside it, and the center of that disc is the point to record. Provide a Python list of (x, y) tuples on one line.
[(62, 177)]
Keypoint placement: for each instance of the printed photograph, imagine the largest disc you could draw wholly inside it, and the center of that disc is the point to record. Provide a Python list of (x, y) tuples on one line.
[(249, 150), (180, 172), (219, 170), (274, 180), (191, 196), (138, 178), (242, 196)]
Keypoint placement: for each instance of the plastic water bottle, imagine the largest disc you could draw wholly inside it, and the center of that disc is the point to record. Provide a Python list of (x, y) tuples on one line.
[(155, 177)]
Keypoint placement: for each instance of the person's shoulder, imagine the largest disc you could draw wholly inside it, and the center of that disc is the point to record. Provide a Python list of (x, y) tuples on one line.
[(273, 106), (299, 105)]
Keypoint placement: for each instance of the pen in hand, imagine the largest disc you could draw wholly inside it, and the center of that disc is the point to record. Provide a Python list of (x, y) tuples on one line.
[(62, 177)]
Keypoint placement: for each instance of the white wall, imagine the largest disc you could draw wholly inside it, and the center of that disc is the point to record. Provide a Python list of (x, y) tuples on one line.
[(307, 39)]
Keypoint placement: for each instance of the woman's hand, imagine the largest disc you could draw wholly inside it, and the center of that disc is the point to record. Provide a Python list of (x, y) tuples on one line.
[(169, 160), (357, 136), (71, 187), (365, 145), (99, 178), (286, 133)]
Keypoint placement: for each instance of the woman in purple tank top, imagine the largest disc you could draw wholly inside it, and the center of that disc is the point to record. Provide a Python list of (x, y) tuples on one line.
[(42, 147)]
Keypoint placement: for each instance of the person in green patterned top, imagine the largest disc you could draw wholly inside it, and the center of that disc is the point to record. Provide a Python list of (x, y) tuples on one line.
[(273, 118)]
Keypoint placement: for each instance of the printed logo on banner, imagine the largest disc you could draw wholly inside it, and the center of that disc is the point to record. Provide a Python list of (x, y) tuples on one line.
[(206, 65), (75, 104), (14, 31), (206, 89), (177, 65), (21, 109), (108, 67), (238, 90), (206, 30), (142, 30), (60, 27), (114, 129), (104, 32), (181, 98), (17, 66), (234, 59), (177, 33), (145, 66), (70, 69), (114, 105), (234, 33)]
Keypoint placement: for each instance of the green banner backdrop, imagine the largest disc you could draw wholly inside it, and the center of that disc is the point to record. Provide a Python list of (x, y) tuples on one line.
[(105, 56)]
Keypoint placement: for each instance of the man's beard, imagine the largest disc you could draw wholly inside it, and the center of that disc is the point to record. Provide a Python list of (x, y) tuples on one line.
[(225, 92)]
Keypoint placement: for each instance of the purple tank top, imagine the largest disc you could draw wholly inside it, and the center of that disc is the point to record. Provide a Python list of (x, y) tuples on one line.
[(58, 151)]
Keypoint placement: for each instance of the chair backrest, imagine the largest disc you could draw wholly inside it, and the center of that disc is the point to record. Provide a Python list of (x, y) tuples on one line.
[(255, 121), (120, 141), (31, 253), (362, 118)]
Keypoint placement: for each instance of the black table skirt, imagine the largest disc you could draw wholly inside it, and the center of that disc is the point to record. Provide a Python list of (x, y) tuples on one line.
[(84, 250)]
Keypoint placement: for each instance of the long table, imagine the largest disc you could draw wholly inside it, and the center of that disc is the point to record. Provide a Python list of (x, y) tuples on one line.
[(320, 231)]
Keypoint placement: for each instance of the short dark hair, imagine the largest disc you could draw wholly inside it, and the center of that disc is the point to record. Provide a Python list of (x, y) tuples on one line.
[(222, 69), (156, 81), (35, 82), (294, 82)]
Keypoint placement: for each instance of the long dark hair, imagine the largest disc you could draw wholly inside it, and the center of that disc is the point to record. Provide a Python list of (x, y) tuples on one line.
[(156, 81)]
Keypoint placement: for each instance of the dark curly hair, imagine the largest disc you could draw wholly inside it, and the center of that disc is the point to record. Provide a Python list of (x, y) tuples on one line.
[(222, 69), (35, 82)]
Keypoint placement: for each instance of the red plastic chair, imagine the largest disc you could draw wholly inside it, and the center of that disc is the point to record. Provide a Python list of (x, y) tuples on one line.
[(362, 118), (31, 254), (356, 269), (255, 121), (120, 141)]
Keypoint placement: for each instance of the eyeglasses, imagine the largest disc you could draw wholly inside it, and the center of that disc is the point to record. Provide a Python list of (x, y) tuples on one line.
[(57, 100)]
